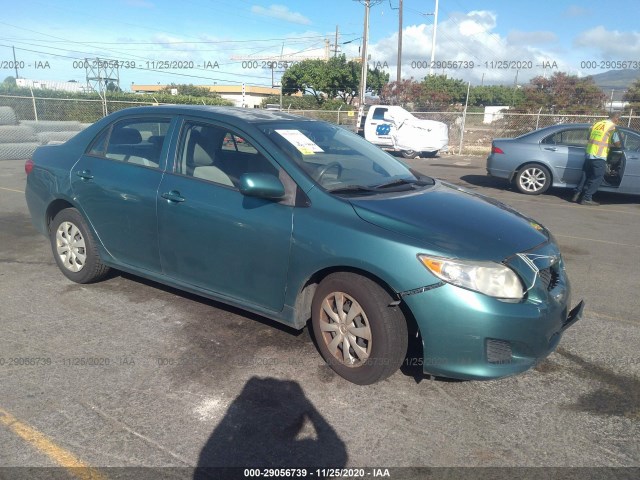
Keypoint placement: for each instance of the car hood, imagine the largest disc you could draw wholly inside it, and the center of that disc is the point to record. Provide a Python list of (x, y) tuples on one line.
[(455, 223)]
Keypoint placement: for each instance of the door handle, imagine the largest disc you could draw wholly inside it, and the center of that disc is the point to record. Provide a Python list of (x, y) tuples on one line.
[(84, 174), (173, 196), (553, 149)]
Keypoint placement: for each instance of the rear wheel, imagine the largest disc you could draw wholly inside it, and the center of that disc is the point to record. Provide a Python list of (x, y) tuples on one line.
[(409, 153), (361, 337), (74, 248), (533, 179)]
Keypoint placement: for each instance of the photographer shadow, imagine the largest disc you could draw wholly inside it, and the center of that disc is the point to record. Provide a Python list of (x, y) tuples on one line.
[(271, 424)]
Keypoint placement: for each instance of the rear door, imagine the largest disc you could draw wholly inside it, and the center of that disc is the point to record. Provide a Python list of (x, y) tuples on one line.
[(116, 182)]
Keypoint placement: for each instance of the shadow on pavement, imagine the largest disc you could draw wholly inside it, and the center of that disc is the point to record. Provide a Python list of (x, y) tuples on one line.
[(271, 424)]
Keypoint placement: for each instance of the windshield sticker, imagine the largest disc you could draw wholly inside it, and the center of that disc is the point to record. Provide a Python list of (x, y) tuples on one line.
[(299, 140)]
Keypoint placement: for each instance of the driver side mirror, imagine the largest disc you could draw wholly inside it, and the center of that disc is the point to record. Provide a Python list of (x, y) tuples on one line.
[(261, 185)]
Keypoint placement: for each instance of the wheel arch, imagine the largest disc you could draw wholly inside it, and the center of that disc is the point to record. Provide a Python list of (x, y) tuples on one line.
[(533, 162), (54, 208), (304, 298)]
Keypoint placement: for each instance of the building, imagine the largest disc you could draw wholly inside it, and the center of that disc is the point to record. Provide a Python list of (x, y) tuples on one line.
[(249, 96), (52, 85)]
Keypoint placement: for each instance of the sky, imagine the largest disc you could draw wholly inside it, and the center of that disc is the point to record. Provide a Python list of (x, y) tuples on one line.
[(206, 42)]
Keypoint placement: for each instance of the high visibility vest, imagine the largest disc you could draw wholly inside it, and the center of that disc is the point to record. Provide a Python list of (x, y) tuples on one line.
[(599, 138)]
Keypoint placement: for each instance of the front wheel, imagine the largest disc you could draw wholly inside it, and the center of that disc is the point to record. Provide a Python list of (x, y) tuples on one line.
[(409, 153), (359, 334), (74, 248), (533, 179)]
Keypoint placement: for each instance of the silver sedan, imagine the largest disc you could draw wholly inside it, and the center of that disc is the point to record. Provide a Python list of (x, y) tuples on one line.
[(553, 157)]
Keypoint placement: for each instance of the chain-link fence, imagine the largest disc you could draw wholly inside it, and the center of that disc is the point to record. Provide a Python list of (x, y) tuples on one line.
[(26, 122), (472, 133)]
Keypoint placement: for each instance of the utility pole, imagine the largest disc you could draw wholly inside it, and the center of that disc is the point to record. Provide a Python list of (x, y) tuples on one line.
[(15, 63), (433, 39), (335, 45), (399, 73), (363, 76), (611, 102)]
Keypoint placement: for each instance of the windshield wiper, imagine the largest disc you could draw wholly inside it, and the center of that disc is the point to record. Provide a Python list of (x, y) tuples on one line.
[(351, 189), (396, 182)]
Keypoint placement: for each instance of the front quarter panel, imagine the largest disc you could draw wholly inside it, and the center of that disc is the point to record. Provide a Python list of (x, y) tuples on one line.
[(330, 235)]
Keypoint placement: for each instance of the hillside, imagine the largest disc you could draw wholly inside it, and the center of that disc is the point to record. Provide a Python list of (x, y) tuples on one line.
[(616, 80)]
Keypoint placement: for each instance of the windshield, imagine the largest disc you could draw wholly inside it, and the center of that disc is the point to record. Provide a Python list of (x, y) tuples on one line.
[(339, 160)]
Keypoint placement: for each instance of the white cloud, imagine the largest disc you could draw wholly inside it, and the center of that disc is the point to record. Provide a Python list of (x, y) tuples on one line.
[(470, 37), (611, 44), (476, 22), (281, 12)]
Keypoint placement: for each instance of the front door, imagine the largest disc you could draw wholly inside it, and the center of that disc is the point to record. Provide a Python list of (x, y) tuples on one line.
[(630, 182), (212, 236), (378, 130)]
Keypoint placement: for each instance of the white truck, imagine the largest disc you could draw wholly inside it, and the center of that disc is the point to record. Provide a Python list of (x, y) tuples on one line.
[(393, 128)]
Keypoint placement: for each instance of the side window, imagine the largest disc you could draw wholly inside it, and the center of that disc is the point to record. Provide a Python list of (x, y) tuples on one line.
[(235, 143), (378, 113), (575, 137), (214, 153), (136, 141), (99, 144), (630, 141), (570, 138)]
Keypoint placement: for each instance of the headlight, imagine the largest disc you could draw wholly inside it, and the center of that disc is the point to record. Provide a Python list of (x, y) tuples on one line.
[(490, 278)]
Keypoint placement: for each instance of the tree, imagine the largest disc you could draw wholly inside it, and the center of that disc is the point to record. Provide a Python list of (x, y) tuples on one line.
[(113, 88), (633, 95), (9, 82), (376, 80), (334, 78), (496, 95), (306, 77), (190, 90), (439, 91), (564, 93), (401, 93)]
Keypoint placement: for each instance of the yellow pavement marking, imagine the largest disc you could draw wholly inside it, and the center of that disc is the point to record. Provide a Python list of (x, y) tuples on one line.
[(44, 445), (11, 190)]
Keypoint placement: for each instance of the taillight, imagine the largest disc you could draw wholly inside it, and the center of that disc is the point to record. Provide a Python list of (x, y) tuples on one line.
[(495, 149), (28, 166)]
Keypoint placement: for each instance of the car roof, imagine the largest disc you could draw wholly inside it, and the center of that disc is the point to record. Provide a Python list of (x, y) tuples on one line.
[(251, 115)]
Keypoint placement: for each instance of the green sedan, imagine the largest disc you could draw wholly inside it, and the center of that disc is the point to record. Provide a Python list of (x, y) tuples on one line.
[(310, 225)]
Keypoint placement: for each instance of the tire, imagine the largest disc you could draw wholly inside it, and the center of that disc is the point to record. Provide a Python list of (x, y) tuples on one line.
[(74, 248), (409, 153), (379, 345), (533, 179)]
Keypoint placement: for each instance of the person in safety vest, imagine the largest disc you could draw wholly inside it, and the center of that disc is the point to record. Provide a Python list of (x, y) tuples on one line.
[(602, 137)]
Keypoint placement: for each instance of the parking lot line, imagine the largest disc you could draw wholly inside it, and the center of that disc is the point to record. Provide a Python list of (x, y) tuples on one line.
[(598, 241), (44, 445), (11, 190)]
